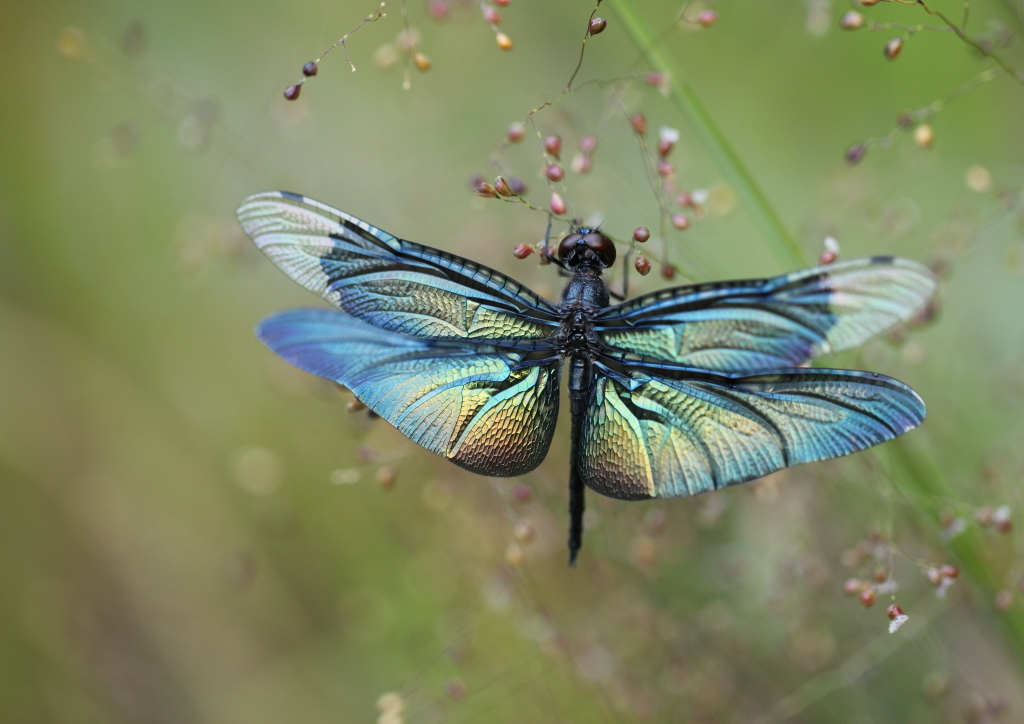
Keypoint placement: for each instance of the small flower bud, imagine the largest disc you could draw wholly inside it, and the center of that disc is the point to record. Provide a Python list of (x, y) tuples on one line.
[(516, 132), (639, 123), (522, 251), (485, 189), (292, 92), (684, 198), (354, 405), (851, 20), (641, 234), (421, 62), (553, 146), (502, 187), (668, 271), (680, 221), (666, 169), (893, 48), (893, 611), (522, 492), (502, 3), (855, 153), (504, 42), (827, 257), (438, 9), (665, 147), (597, 26), (924, 136), (386, 475), (707, 18), (558, 206), (491, 15), (523, 531), (581, 163), (588, 144), (309, 69), (852, 586), (554, 172), (867, 598), (517, 185), (949, 571), (642, 265), (934, 576)]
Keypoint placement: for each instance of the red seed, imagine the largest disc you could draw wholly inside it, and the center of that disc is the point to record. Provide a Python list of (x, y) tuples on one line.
[(292, 91), (309, 69), (827, 257), (554, 172), (516, 132), (668, 271), (438, 9), (581, 163), (655, 79), (949, 571), (522, 251), (597, 26), (588, 144), (522, 493), (869, 3), (491, 15), (553, 145), (639, 123), (642, 265), (707, 18), (684, 198), (517, 185), (892, 48), (867, 598), (666, 169), (558, 206), (642, 234), (502, 187), (852, 586), (680, 221), (851, 20), (893, 611), (665, 148), (486, 190), (502, 3)]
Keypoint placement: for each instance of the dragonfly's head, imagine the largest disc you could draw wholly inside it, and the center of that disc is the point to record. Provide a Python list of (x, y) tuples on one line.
[(586, 246)]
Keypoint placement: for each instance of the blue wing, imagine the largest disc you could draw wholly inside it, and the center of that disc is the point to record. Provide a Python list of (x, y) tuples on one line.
[(388, 282), (665, 431), (464, 401), (745, 326)]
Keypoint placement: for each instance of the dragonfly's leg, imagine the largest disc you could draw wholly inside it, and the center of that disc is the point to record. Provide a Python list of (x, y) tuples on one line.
[(581, 380)]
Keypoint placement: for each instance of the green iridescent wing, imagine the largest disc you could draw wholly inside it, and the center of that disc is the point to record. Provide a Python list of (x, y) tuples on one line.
[(465, 401), (665, 431), (745, 326), (391, 283)]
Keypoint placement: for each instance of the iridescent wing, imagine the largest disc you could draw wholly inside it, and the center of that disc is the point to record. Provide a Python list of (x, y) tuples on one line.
[(745, 326), (465, 401), (388, 282), (682, 431)]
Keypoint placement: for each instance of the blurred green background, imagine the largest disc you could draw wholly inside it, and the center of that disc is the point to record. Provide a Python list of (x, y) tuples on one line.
[(193, 531)]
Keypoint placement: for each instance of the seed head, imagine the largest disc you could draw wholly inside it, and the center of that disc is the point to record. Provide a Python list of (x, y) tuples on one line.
[(421, 62), (641, 234), (851, 20), (668, 271), (639, 123), (680, 221), (924, 136), (522, 251), (504, 42), (597, 26), (516, 132), (707, 18), (893, 48), (485, 189), (893, 611), (853, 586), (517, 185), (438, 9), (309, 69), (588, 144), (292, 91), (502, 187), (558, 206), (553, 146), (581, 163), (502, 3), (522, 492), (386, 476), (554, 172), (642, 265), (491, 15), (855, 153), (867, 597)]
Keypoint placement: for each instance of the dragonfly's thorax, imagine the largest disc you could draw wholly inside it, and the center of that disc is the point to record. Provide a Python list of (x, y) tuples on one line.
[(585, 295)]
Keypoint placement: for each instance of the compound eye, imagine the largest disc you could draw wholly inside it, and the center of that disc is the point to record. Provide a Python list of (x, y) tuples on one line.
[(602, 246), (567, 244)]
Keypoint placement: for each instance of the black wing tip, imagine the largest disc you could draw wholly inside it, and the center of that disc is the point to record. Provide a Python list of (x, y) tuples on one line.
[(882, 259), (292, 196)]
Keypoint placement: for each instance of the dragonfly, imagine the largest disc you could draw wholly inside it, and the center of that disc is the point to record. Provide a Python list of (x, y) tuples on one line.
[(673, 393)]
